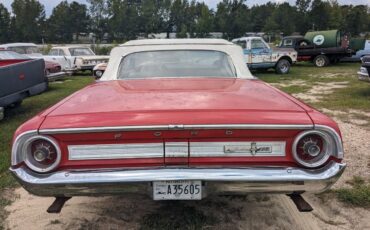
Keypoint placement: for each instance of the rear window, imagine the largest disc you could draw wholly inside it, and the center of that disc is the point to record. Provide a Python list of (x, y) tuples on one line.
[(176, 63)]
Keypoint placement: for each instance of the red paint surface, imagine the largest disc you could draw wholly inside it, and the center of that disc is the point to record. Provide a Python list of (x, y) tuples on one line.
[(11, 61), (174, 101)]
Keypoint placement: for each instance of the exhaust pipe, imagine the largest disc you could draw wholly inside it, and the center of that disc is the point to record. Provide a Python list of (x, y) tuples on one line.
[(58, 204), (300, 202)]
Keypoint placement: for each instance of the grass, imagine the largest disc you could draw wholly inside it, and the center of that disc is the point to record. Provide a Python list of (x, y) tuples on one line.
[(357, 195), (355, 96), (16, 116)]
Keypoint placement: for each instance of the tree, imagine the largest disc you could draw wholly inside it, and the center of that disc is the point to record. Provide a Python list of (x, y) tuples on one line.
[(232, 18), (319, 15), (356, 19), (336, 18), (79, 18), (259, 14), (302, 19), (4, 24), (99, 17), (59, 24), (204, 21), (279, 22), (29, 16)]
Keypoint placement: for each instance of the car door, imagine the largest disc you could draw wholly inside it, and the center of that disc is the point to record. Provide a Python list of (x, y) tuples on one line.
[(260, 53)]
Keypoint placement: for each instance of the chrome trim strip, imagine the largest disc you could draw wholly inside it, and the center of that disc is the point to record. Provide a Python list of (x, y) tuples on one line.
[(168, 127), (236, 148), (176, 149), (115, 151), (217, 180)]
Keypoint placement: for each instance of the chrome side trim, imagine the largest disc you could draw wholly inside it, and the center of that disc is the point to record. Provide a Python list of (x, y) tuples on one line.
[(169, 127), (115, 151), (233, 149), (217, 180)]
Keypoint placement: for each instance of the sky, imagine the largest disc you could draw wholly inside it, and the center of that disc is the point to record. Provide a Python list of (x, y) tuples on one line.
[(50, 4)]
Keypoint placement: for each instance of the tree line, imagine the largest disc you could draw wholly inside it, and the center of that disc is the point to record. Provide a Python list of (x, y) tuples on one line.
[(119, 20)]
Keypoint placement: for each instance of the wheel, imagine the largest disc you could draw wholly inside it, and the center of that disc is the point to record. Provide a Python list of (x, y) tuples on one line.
[(321, 60), (98, 74), (282, 67)]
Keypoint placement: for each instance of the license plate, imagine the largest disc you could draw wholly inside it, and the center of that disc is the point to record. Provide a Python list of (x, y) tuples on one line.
[(177, 190)]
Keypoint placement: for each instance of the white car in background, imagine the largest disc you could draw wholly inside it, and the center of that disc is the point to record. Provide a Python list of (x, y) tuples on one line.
[(32, 51), (85, 58)]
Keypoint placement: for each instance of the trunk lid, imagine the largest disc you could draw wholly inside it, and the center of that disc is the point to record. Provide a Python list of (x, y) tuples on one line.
[(176, 101)]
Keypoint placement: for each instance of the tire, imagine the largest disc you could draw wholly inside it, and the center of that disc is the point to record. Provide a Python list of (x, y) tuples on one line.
[(321, 61), (16, 104), (282, 67)]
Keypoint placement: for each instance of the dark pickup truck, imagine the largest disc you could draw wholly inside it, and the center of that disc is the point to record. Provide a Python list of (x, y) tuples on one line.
[(321, 55), (20, 78)]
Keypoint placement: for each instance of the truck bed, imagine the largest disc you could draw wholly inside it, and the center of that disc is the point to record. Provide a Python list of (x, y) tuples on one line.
[(21, 78)]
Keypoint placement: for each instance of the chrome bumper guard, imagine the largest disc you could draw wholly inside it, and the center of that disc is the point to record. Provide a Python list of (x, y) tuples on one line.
[(284, 180), (56, 76), (363, 76)]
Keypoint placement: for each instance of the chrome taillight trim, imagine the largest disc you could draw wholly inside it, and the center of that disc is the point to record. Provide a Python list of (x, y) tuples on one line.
[(20, 148), (115, 151), (175, 127), (28, 161), (17, 154), (328, 150), (339, 152), (237, 149)]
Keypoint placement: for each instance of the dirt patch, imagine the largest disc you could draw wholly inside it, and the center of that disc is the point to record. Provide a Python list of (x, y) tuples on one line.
[(319, 90), (290, 83)]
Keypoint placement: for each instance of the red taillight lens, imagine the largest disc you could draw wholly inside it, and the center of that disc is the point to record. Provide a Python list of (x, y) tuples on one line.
[(42, 154), (312, 148)]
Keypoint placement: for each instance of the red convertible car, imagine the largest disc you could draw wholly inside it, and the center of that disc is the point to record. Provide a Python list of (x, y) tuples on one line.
[(177, 120)]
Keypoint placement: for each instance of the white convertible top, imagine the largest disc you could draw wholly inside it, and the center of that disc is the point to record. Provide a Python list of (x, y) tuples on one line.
[(17, 44), (234, 51), (182, 41)]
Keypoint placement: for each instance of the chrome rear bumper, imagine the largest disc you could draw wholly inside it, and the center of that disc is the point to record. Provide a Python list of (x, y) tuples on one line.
[(215, 180)]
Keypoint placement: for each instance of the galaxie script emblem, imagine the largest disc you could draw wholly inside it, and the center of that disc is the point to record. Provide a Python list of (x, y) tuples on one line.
[(253, 148)]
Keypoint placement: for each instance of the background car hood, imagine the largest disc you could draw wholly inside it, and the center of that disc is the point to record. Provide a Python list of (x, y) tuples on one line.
[(176, 101), (94, 57)]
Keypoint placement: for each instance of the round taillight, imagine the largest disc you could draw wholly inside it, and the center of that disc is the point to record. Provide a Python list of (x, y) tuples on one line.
[(42, 154), (311, 148)]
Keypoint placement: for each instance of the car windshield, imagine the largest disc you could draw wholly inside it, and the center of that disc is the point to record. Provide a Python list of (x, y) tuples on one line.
[(81, 52), (176, 63), (25, 49), (11, 55)]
